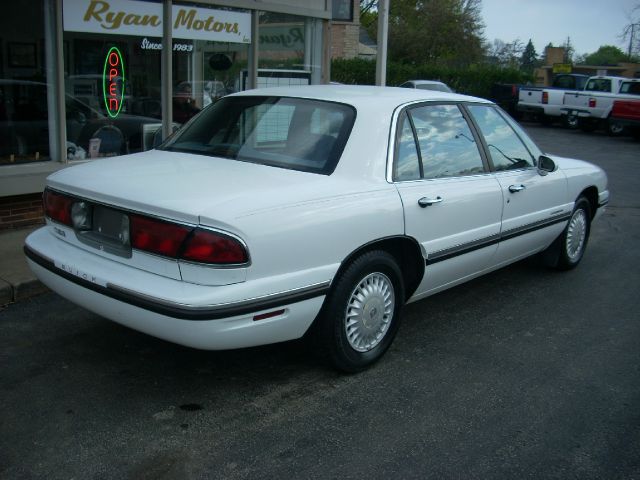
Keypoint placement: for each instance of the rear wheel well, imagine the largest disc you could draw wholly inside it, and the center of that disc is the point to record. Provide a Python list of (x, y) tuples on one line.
[(405, 250)]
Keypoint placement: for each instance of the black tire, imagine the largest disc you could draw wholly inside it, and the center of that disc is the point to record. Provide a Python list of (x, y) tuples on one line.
[(615, 129), (375, 271), (568, 249)]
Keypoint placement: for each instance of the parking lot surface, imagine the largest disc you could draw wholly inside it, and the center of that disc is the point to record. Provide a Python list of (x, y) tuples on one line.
[(524, 373)]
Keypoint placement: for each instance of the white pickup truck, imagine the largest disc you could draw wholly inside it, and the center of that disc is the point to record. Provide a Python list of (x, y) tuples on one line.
[(545, 103), (592, 107)]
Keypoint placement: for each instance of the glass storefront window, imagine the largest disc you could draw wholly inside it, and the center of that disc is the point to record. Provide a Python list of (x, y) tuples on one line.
[(207, 70), (289, 50), (112, 86), (24, 106)]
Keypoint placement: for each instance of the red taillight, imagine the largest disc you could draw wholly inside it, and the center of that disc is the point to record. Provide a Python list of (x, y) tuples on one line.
[(592, 103), (545, 97), (57, 207), (156, 236), (207, 246)]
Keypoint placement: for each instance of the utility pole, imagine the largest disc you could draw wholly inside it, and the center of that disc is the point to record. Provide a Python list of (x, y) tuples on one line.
[(383, 34)]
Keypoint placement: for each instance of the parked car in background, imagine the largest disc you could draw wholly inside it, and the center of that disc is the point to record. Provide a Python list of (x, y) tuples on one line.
[(545, 104), (506, 96), (287, 211), (592, 107), (427, 85)]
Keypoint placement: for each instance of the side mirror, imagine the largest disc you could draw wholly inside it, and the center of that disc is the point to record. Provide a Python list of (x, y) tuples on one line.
[(546, 165)]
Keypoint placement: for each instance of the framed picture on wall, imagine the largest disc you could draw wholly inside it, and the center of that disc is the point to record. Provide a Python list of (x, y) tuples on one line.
[(22, 55)]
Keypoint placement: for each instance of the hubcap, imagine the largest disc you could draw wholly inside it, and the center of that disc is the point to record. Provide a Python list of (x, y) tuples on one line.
[(615, 128), (576, 234), (369, 312)]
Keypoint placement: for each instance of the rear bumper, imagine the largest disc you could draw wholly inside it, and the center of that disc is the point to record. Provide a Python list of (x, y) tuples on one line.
[(575, 112), (178, 319)]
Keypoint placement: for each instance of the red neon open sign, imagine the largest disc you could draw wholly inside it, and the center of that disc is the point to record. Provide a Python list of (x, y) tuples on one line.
[(113, 82)]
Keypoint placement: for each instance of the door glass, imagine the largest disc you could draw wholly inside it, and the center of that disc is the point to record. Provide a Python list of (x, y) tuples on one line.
[(407, 166), (505, 147), (447, 146)]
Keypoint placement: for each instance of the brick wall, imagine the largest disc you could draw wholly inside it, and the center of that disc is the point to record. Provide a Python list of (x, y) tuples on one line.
[(345, 36), (21, 211)]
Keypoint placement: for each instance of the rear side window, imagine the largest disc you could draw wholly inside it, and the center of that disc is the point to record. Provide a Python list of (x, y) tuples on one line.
[(293, 133), (435, 141)]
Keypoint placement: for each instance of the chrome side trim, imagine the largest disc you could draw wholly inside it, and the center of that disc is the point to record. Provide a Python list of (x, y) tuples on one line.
[(458, 250), (185, 311)]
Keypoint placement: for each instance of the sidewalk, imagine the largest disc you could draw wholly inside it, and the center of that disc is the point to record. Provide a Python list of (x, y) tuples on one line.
[(17, 282)]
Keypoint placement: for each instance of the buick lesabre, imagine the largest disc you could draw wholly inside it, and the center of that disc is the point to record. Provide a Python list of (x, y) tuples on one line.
[(317, 210)]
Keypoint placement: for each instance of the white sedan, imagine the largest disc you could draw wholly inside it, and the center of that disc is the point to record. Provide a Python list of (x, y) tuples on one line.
[(321, 210)]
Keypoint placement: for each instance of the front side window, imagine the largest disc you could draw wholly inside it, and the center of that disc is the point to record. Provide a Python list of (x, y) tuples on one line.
[(447, 146), (505, 147), (297, 134)]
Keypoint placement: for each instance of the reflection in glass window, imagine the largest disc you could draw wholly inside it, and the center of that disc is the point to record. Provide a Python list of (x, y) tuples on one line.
[(289, 50), (407, 165), (447, 146), (505, 147), (274, 122)]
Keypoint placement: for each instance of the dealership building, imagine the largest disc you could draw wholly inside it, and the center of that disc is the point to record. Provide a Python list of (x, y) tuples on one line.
[(86, 79)]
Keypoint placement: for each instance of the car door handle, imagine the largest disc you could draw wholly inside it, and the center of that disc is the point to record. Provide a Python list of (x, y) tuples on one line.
[(426, 201), (516, 188)]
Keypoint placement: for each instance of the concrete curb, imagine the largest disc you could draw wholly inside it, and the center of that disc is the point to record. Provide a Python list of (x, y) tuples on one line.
[(17, 281)]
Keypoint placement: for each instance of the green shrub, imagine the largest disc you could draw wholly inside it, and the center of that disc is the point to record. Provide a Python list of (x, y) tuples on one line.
[(474, 80)]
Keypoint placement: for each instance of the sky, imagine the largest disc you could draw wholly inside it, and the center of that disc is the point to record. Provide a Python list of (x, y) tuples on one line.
[(589, 23)]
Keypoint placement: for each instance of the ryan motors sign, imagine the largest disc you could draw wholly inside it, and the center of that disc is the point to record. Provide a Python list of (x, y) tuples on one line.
[(144, 19)]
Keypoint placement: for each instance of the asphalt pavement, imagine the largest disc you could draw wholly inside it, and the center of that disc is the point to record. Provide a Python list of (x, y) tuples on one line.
[(523, 373)]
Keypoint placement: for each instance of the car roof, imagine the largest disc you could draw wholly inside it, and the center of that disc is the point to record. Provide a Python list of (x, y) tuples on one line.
[(362, 97)]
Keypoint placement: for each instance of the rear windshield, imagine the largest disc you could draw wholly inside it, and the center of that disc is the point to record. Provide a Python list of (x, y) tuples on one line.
[(598, 85), (293, 133), (438, 87)]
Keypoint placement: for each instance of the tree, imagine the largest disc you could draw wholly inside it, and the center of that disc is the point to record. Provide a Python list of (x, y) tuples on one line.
[(369, 17), (631, 33), (506, 54), (529, 59), (446, 32), (569, 51), (606, 55)]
